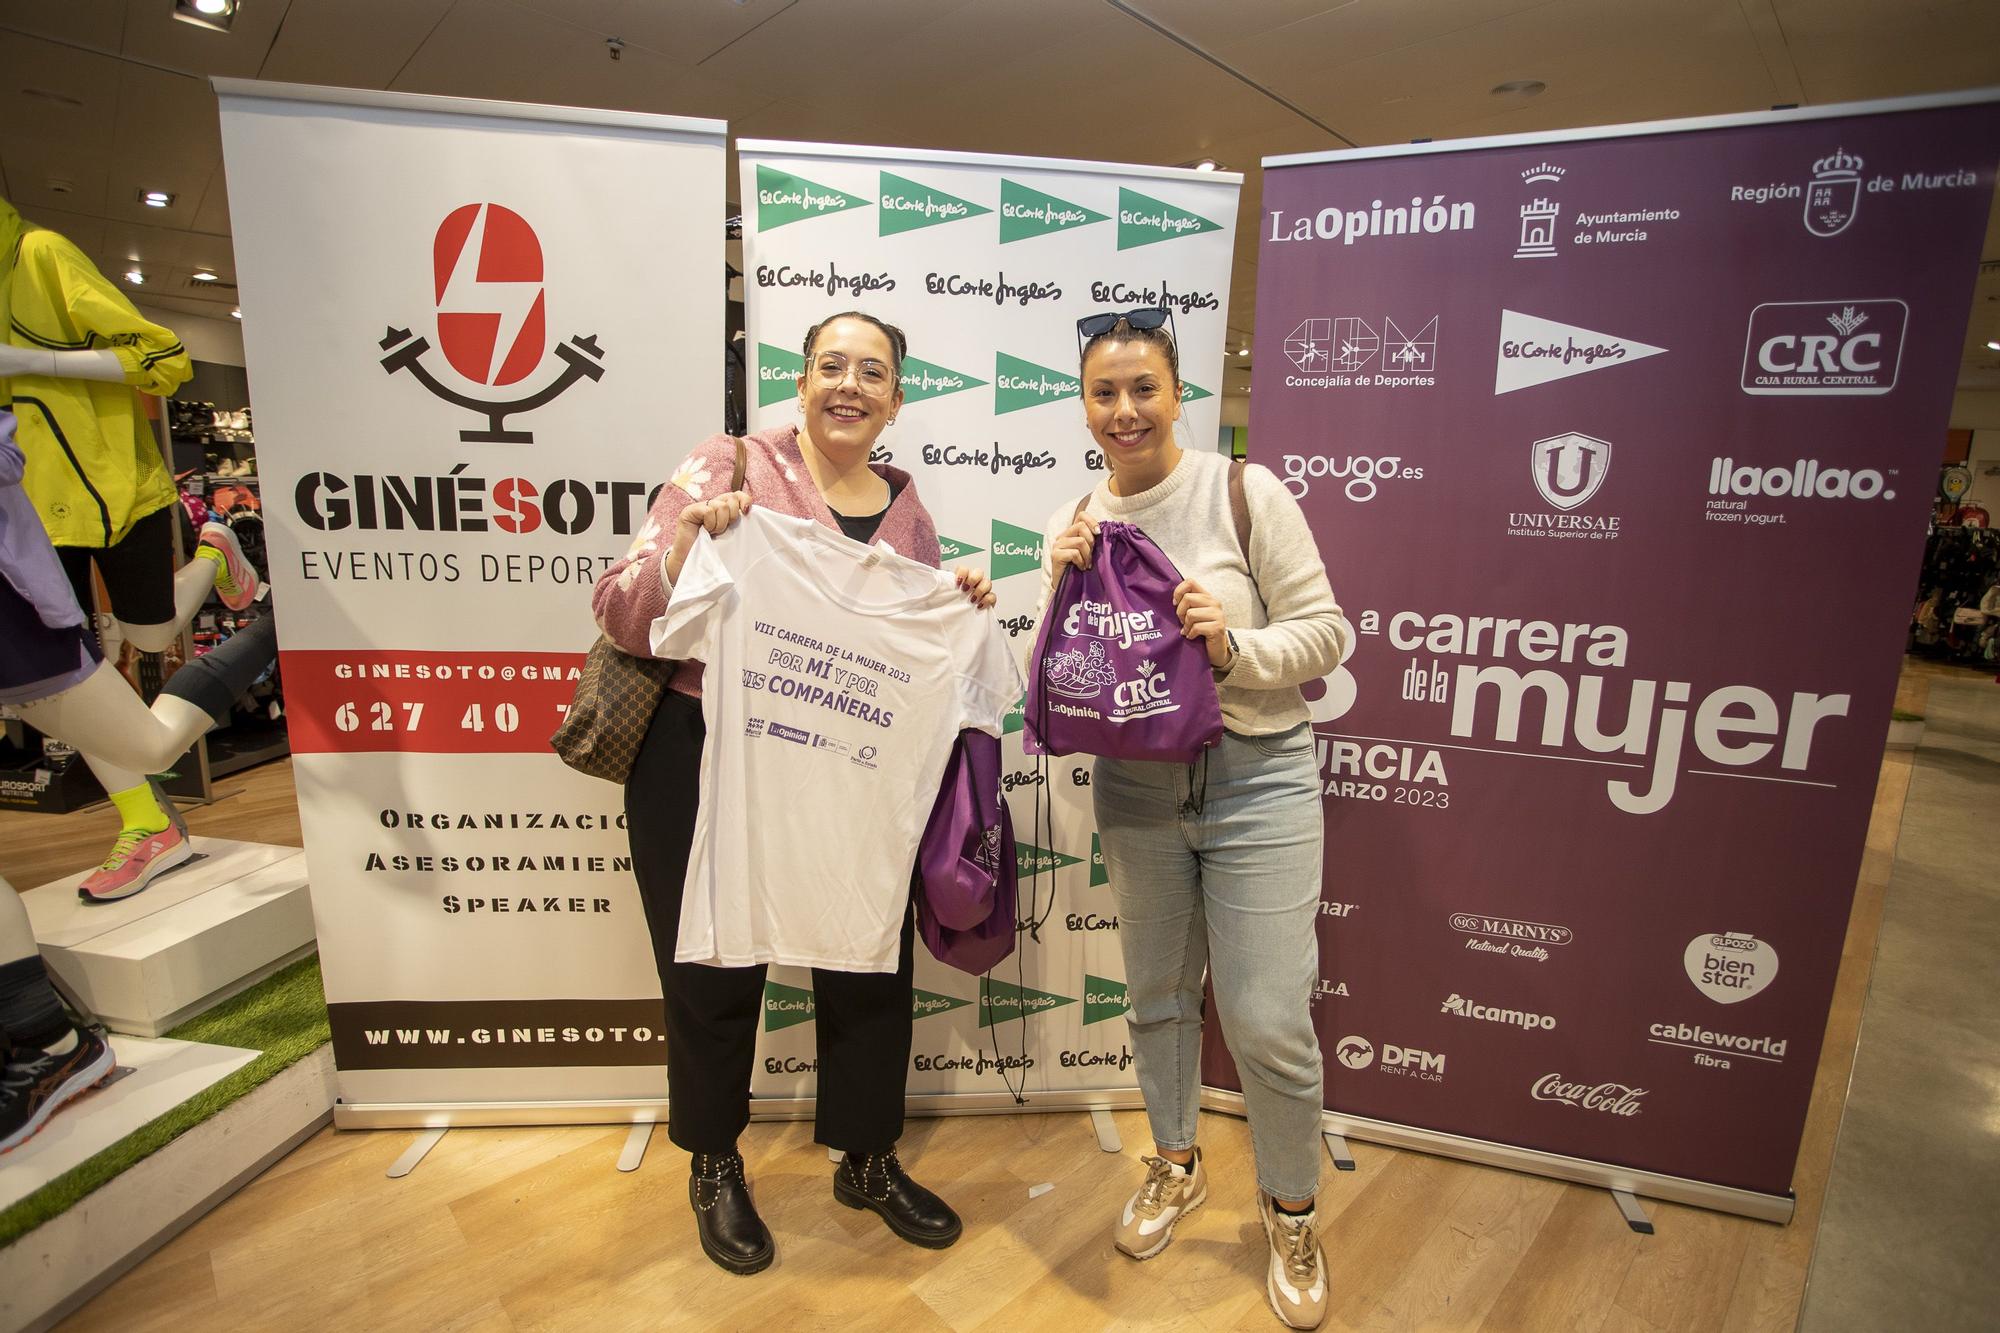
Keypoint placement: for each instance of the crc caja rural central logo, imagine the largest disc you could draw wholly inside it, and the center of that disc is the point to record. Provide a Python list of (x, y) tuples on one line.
[(492, 322)]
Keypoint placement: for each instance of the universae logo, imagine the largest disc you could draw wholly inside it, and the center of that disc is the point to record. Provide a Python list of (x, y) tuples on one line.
[(491, 308)]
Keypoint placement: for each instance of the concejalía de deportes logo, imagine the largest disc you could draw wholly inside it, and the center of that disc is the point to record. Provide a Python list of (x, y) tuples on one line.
[(491, 307)]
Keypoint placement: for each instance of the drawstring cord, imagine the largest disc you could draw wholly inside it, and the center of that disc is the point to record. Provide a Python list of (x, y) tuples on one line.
[(1197, 801)]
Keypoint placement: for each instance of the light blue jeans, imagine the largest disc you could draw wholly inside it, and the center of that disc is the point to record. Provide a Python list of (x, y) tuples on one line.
[(1223, 876)]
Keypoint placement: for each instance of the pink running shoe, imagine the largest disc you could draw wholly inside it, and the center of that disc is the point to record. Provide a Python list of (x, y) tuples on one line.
[(137, 859), (235, 577)]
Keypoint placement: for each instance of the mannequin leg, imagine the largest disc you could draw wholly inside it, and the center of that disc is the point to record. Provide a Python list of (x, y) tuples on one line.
[(48, 1060), (191, 588), (105, 720)]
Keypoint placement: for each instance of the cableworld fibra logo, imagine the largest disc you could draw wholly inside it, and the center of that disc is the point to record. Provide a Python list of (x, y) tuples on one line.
[(491, 307)]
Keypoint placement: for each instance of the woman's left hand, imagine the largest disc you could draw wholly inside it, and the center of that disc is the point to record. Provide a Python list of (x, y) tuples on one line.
[(1201, 618), (975, 585)]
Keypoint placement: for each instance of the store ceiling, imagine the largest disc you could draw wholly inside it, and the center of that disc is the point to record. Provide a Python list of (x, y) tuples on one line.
[(103, 99)]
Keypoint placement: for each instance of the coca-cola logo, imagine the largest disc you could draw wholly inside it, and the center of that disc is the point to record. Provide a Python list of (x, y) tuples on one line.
[(1610, 1098)]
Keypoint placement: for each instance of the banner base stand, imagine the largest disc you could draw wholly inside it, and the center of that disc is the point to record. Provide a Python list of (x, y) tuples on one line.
[(415, 1153), (635, 1146), (651, 1110), (1107, 1133), (1336, 1148), (1634, 1214), (1672, 1189)]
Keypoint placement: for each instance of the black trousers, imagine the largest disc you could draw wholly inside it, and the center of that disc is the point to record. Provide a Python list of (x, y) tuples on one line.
[(862, 1019)]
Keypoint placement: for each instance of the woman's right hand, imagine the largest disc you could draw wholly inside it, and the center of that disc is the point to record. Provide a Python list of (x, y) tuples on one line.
[(713, 515), (1075, 545)]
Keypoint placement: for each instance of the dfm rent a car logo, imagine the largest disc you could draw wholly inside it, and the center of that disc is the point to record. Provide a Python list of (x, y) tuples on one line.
[(1358, 1053), (1361, 473)]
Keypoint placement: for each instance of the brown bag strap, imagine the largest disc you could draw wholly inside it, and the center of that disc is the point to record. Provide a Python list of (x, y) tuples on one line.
[(1239, 508), (742, 464), (1081, 505)]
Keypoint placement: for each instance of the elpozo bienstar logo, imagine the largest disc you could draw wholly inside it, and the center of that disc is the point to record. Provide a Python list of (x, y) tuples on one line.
[(1824, 349), (1730, 967), (1144, 220), (908, 206), (492, 322), (1536, 351), (1026, 213), (783, 198)]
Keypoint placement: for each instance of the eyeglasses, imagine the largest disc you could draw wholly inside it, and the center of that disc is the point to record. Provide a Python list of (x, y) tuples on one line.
[(1143, 319), (871, 377)]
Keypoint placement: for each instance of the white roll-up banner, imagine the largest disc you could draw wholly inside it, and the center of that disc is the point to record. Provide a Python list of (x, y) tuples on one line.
[(480, 334), (987, 263)]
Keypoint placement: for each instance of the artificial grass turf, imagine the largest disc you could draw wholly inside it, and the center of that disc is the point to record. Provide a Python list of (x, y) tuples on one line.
[(282, 1016)]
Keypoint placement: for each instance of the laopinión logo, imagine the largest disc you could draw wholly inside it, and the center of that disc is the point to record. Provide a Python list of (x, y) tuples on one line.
[(1335, 352), (1618, 1099), (1504, 935), (491, 308), (1824, 349), (1358, 1053), (1488, 1013), (1730, 967)]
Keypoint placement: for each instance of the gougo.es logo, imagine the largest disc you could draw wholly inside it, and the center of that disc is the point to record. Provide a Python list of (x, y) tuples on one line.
[(1361, 473)]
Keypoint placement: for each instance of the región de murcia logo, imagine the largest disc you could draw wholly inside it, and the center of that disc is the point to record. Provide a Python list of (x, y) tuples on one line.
[(492, 322)]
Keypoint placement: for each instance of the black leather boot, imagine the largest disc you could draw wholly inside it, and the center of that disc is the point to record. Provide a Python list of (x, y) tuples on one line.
[(876, 1181), (731, 1232)]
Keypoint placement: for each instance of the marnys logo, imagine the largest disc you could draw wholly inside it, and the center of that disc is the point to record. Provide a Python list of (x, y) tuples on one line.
[(1361, 472), (908, 206), (1487, 1013), (1019, 384), (1335, 352), (1026, 213), (1536, 351), (1144, 220), (786, 1006), (1103, 999), (1499, 934), (1000, 1002), (784, 198), (1620, 1099), (1713, 1050), (1824, 349), (1568, 469), (1404, 1061), (492, 321), (1730, 967)]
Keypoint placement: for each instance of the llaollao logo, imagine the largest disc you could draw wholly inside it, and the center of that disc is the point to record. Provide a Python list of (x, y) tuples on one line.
[(491, 304)]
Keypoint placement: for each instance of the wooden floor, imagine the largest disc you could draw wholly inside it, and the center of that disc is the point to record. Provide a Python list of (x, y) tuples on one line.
[(534, 1228)]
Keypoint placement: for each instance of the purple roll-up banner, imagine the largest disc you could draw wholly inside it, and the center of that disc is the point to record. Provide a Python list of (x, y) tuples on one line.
[(1619, 446)]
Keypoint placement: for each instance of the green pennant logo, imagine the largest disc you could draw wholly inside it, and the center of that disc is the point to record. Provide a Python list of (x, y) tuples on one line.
[(923, 1003), (1192, 393), (778, 374), (1032, 859), (1015, 550), (923, 380), (786, 1006), (1018, 384), (951, 548), (1026, 213), (783, 198), (1098, 874), (1102, 999), (1000, 1002), (1017, 716), (907, 206), (1144, 220)]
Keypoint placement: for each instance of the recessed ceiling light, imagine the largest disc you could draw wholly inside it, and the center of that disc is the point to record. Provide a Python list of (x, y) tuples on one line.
[(1243, 351), (135, 277), (204, 277), (1993, 345), (1520, 88), (156, 198), (215, 15), (238, 312), (1206, 164)]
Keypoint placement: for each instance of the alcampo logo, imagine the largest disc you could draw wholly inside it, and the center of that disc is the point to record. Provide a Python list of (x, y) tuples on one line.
[(1015, 550), (1018, 384), (778, 374), (923, 380), (786, 1006), (1000, 1002), (926, 1004), (1031, 859), (1098, 874), (907, 206), (1144, 220), (784, 198), (1102, 999), (951, 548), (1026, 213)]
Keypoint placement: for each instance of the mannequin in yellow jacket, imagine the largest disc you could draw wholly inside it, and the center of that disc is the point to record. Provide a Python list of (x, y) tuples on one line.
[(74, 352)]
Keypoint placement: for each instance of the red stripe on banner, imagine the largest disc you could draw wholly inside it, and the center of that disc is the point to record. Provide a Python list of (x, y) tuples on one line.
[(373, 700)]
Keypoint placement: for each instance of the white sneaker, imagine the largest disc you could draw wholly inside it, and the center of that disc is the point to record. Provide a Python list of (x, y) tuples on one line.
[(1170, 1193), (1296, 1282)]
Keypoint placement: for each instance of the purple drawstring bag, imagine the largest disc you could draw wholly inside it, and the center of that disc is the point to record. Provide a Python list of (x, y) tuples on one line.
[(1111, 674), (966, 862)]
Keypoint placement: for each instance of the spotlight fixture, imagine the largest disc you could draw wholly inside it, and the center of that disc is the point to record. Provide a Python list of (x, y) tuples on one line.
[(237, 312), (1243, 351), (135, 277), (1993, 344), (1206, 164), (1520, 90), (215, 15), (204, 277), (156, 198)]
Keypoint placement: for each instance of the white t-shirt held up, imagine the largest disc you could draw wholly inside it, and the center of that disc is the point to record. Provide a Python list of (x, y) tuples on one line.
[(838, 677)]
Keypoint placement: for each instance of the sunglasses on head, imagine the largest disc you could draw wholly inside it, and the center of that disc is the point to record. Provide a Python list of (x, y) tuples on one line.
[(1141, 319)]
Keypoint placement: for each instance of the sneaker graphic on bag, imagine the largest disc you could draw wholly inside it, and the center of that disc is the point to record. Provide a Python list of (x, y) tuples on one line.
[(1170, 1193)]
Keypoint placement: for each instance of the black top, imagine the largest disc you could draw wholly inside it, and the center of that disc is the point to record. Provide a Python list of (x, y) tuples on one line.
[(861, 527)]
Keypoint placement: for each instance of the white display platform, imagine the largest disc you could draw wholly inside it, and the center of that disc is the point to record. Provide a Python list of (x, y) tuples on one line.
[(196, 936)]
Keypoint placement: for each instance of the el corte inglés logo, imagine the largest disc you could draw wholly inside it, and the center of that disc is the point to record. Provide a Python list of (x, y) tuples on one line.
[(1000, 1002), (927, 1004), (1019, 384), (783, 198), (1098, 874), (923, 380), (907, 206), (778, 374), (1026, 213), (786, 1006), (1144, 220), (1102, 999), (951, 548), (1031, 859), (1015, 550)]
